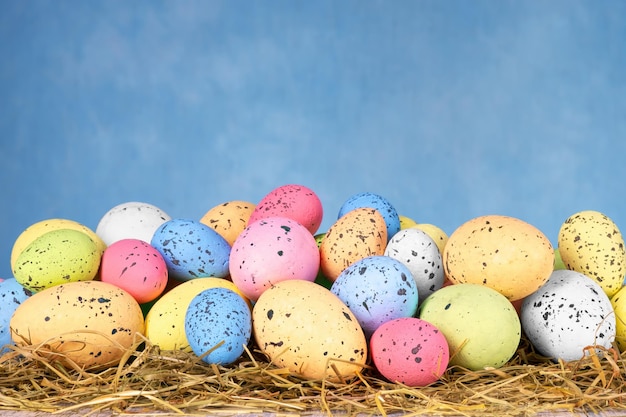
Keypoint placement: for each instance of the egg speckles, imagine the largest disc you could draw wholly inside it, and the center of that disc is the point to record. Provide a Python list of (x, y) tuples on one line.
[(501, 252), (305, 328), (590, 243), (89, 323)]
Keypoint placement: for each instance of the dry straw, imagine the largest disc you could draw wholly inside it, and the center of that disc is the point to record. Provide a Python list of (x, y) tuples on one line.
[(148, 380)]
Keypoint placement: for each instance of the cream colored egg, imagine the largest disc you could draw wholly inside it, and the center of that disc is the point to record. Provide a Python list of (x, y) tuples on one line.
[(307, 329), (165, 322), (229, 219), (90, 324), (435, 232), (504, 253), (592, 244)]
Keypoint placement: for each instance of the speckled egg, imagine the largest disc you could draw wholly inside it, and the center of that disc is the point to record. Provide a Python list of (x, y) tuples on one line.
[(504, 253), (406, 222), (410, 351), (165, 321), (35, 230), (436, 233), (480, 324), (229, 219), (135, 266), (358, 234), (569, 313), (272, 250), (218, 324), (90, 323), (375, 201), (131, 220), (618, 302), (591, 243), (377, 289), (305, 328), (292, 201), (57, 257), (419, 253), (191, 249), (12, 294)]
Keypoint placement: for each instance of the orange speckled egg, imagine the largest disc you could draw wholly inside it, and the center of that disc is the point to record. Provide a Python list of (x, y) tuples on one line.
[(360, 233), (229, 219), (307, 329), (89, 323), (503, 253)]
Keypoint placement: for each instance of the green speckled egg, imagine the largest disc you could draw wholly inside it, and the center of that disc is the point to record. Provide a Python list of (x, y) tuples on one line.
[(57, 257), (591, 243)]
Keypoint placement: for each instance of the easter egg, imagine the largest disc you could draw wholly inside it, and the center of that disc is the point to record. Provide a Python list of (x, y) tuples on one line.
[(135, 266), (292, 201), (375, 201), (57, 257), (480, 324), (191, 249), (592, 244), (356, 235), (569, 313), (91, 324), (229, 219), (406, 222), (218, 324), (436, 233), (305, 328), (377, 289), (321, 278), (12, 294), (409, 351), (558, 261), (504, 253), (419, 253), (618, 302), (35, 230), (165, 321), (272, 250), (131, 220)]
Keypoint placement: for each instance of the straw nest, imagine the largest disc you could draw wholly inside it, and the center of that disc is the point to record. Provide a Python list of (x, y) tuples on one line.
[(175, 382)]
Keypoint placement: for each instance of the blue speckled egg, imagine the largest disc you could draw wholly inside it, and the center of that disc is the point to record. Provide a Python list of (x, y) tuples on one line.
[(375, 201), (220, 321), (191, 249), (377, 289), (12, 294)]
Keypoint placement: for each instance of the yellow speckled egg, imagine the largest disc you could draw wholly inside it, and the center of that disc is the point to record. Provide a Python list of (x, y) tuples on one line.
[(307, 329), (229, 219), (436, 233), (591, 243), (359, 233), (35, 230), (90, 323), (57, 257), (165, 322), (504, 253), (406, 222)]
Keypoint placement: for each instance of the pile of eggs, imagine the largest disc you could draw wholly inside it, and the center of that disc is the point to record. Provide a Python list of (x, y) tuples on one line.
[(375, 290)]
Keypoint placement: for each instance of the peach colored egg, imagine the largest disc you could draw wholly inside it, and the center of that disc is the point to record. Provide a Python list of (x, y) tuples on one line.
[(229, 219), (504, 253), (359, 233)]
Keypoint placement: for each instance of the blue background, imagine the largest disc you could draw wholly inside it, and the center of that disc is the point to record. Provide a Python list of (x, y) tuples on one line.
[(449, 109)]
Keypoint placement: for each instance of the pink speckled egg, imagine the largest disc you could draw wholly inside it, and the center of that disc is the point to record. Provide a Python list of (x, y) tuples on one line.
[(293, 201), (135, 266), (410, 351), (272, 250)]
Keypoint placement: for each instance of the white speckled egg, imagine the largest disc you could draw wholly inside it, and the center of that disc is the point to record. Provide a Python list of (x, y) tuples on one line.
[(590, 243), (569, 313), (131, 220), (218, 321), (377, 289), (89, 323), (305, 328), (420, 254)]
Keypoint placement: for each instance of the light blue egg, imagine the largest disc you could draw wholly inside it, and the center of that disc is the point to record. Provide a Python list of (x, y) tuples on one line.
[(192, 250), (12, 295), (375, 201), (214, 316), (377, 289)]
